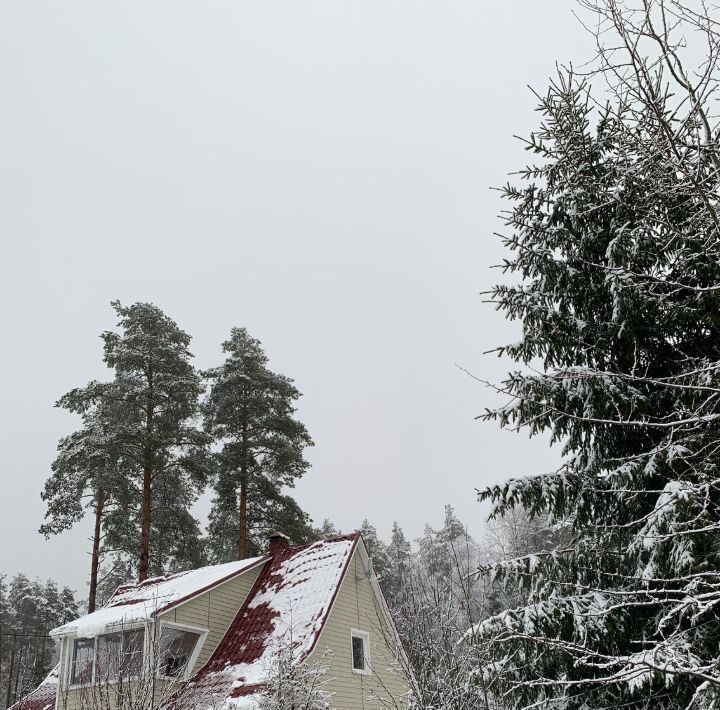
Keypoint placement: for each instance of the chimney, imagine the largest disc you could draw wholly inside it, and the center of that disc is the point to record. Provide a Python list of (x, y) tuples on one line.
[(278, 542)]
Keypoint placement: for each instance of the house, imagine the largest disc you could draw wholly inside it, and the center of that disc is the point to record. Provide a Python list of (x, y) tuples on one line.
[(213, 637)]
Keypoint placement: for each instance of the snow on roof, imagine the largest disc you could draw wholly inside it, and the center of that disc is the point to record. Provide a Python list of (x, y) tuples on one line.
[(133, 603), (286, 609), (43, 697)]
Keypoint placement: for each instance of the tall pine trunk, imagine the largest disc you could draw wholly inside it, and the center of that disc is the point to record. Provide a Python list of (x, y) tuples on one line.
[(242, 516), (144, 566), (95, 560), (242, 509), (11, 669)]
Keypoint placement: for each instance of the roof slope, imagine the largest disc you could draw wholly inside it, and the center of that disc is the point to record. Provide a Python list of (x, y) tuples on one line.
[(43, 697), (286, 608), (133, 603)]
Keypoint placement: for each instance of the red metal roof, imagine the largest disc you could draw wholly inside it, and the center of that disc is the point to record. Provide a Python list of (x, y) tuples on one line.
[(42, 698), (299, 583), (288, 604)]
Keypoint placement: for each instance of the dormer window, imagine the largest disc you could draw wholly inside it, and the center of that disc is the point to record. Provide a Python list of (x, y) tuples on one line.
[(119, 655), (83, 662), (107, 658), (178, 650), (360, 641)]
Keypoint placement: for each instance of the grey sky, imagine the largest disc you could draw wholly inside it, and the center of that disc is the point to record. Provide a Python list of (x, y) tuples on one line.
[(316, 171)]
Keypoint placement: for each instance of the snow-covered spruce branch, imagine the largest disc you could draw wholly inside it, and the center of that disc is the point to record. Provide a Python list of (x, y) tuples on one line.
[(615, 237), (508, 411)]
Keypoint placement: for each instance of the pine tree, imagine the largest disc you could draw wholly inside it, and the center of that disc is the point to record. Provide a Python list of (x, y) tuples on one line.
[(87, 475), (6, 640), (616, 238), (250, 411), (151, 405), (453, 528), (442, 549)]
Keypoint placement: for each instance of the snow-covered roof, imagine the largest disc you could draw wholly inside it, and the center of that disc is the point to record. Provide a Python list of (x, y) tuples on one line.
[(287, 608), (135, 603), (43, 697)]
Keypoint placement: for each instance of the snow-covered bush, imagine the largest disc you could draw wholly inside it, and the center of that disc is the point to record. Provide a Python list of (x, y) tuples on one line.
[(435, 598), (295, 686)]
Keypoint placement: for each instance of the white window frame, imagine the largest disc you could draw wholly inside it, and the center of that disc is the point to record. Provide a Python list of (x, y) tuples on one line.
[(70, 660), (365, 636), (195, 654)]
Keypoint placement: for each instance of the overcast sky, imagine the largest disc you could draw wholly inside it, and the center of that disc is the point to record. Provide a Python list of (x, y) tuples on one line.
[(317, 171)]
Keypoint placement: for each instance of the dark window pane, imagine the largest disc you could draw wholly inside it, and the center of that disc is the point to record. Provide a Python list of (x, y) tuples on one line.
[(108, 657), (176, 649), (358, 653), (132, 652), (82, 663)]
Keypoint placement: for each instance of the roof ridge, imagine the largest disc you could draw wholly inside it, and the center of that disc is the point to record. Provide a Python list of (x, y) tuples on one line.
[(234, 667)]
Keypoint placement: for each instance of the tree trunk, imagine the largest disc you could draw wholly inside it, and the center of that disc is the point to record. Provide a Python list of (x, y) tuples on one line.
[(242, 517), (144, 566), (17, 675), (145, 530), (95, 560), (8, 695), (242, 512), (41, 669)]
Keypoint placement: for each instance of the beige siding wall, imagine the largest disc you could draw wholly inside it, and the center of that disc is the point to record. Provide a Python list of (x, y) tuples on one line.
[(107, 697), (214, 611), (356, 607)]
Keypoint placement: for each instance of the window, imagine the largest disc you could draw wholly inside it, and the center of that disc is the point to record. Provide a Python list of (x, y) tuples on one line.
[(119, 655), (132, 652), (177, 650), (107, 658), (81, 671), (360, 641)]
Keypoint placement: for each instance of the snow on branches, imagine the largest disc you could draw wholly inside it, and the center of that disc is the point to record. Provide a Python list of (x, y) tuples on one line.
[(614, 233)]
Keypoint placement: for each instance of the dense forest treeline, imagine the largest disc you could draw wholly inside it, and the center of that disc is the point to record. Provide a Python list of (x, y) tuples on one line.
[(29, 610)]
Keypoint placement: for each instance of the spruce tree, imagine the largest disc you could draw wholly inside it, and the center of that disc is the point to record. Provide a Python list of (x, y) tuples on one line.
[(250, 412), (29, 609), (616, 240), (327, 529)]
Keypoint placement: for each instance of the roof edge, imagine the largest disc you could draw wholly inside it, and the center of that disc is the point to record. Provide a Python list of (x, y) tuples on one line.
[(356, 536), (188, 597), (385, 608), (182, 600)]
